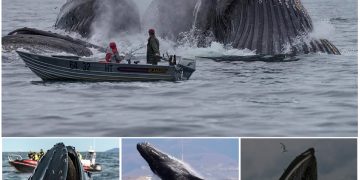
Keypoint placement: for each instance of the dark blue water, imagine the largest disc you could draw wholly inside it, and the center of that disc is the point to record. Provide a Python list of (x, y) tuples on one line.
[(108, 161), (314, 96)]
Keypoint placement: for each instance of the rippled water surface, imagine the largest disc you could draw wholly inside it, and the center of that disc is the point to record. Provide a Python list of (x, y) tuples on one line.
[(314, 96), (108, 161)]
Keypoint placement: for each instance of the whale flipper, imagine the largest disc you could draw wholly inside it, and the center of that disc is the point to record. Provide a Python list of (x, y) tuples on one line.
[(302, 167)]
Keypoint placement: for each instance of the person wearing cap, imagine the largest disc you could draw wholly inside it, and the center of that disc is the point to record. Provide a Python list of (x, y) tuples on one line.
[(112, 54), (153, 50)]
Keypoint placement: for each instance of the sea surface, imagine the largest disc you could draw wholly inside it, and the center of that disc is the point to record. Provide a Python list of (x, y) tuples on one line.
[(109, 162), (314, 96)]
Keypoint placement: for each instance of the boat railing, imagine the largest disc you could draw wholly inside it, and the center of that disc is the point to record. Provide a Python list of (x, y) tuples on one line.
[(13, 157), (66, 57)]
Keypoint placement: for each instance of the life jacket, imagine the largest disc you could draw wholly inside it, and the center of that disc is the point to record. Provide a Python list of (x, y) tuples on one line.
[(110, 52)]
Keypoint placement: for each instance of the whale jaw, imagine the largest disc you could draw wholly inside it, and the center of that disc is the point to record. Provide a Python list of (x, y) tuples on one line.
[(302, 167)]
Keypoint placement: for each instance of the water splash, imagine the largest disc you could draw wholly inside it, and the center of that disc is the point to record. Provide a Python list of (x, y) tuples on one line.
[(196, 12), (323, 29)]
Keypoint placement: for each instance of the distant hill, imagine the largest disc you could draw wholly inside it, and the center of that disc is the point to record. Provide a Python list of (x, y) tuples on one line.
[(113, 150)]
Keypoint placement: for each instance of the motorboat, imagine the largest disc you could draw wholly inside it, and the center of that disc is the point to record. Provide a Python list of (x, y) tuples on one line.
[(73, 68)]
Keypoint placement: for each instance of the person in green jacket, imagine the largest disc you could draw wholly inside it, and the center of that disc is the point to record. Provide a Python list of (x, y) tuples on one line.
[(153, 50)]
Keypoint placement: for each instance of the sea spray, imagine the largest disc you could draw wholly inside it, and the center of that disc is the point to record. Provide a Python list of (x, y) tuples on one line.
[(323, 29), (115, 17)]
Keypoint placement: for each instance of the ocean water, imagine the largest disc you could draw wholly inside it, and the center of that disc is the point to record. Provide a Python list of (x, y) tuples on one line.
[(313, 96), (109, 162)]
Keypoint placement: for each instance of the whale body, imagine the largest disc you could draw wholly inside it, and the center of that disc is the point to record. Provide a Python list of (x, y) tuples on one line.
[(163, 165), (268, 27), (43, 41)]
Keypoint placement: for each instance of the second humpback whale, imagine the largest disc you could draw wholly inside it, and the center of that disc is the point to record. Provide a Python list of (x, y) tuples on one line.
[(38, 40), (302, 167), (163, 165)]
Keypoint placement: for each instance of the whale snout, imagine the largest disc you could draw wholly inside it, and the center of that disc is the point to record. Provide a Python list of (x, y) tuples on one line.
[(144, 148)]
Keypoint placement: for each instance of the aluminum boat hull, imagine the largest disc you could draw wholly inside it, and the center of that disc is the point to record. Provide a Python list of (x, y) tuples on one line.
[(50, 68)]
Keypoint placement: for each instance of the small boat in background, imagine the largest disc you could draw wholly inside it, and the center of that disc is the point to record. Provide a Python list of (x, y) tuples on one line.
[(89, 162), (73, 68), (22, 165)]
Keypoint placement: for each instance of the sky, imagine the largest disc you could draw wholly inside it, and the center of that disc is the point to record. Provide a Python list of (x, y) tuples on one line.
[(264, 158), (81, 144), (211, 158)]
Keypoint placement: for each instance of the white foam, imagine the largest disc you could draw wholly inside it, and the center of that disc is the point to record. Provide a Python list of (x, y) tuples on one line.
[(216, 49), (187, 167)]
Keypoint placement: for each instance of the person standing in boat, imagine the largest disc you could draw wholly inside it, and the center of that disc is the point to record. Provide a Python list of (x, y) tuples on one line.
[(153, 49), (112, 54), (41, 154)]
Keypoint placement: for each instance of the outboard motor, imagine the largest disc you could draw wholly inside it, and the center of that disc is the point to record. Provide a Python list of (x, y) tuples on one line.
[(170, 61), (187, 65)]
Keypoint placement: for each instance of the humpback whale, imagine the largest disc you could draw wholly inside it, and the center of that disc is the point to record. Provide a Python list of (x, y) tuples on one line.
[(60, 162), (112, 16), (163, 165), (302, 167), (38, 40), (268, 27)]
